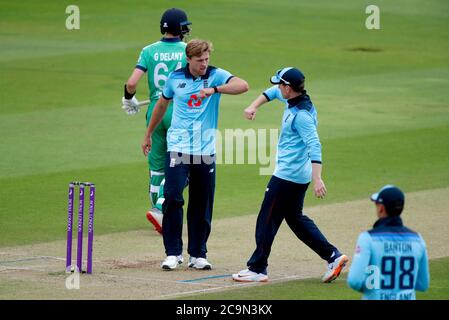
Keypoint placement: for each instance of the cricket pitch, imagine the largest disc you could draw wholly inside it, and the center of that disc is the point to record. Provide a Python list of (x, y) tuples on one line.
[(127, 265)]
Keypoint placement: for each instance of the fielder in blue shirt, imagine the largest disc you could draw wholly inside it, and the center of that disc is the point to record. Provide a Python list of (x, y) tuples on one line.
[(195, 90), (390, 260), (298, 162)]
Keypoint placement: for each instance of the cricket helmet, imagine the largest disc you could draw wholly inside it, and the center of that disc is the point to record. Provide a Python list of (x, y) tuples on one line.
[(175, 21)]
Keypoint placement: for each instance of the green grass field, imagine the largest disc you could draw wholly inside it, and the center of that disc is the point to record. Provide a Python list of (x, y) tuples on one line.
[(382, 99)]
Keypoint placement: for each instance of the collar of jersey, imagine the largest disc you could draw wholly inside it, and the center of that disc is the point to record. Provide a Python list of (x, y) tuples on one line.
[(189, 75), (163, 39), (302, 101), (389, 221)]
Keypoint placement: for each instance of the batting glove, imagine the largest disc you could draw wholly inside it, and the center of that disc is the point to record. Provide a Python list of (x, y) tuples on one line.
[(131, 106)]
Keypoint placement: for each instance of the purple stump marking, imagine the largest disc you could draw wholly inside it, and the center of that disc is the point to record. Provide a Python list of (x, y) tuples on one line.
[(79, 257), (68, 264), (90, 234)]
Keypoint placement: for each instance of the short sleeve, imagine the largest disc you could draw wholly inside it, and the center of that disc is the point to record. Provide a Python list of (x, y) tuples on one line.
[(142, 62), (222, 77), (273, 93), (168, 93)]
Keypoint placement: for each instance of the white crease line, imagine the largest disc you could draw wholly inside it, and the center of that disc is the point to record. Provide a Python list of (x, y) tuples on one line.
[(289, 278), (56, 258), (180, 294), (236, 285), (115, 276), (161, 280), (27, 259), (23, 269), (6, 268)]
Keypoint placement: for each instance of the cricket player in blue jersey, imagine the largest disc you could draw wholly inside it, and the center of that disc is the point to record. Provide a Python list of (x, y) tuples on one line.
[(195, 90), (298, 163), (390, 260)]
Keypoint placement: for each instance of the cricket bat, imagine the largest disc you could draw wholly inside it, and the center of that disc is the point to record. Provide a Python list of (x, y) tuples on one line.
[(143, 103)]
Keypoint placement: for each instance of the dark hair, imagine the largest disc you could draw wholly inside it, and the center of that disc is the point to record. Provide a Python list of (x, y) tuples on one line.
[(299, 89), (394, 209)]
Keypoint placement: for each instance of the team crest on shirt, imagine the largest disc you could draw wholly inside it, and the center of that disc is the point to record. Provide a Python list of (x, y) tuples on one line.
[(206, 84)]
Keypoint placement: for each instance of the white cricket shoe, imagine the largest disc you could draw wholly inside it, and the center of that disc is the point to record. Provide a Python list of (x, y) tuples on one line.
[(171, 262), (334, 269), (154, 215), (249, 276), (199, 263)]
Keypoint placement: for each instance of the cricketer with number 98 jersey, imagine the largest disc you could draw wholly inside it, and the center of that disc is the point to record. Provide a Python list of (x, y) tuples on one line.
[(390, 262)]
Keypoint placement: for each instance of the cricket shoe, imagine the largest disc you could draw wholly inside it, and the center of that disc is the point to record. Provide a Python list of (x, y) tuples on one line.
[(154, 215), (199, 263), (334, 269), (249, 276), (171, 262)]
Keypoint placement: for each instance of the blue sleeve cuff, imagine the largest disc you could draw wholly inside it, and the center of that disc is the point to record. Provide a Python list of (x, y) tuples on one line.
[(266, 96), (166, 98), (316, 161)]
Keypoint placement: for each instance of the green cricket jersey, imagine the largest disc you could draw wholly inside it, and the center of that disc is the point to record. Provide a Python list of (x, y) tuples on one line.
[(159, 59)]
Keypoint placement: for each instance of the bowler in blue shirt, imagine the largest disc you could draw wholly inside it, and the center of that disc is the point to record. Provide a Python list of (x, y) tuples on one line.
[(195, 90)]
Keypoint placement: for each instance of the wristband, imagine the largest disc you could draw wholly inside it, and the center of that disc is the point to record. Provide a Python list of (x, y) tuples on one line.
[(128, 95), (216, 90)]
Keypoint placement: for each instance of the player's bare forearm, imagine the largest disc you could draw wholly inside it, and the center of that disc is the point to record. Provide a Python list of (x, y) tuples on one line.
[(260, 100), (251, 110), (156, 117), (316, 171), (234, 86), (131, 84)]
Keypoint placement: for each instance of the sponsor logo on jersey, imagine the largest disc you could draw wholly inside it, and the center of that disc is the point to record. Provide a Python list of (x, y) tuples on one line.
[(194, 101)]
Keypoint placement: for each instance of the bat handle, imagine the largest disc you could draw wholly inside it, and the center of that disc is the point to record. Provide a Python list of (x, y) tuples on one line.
[(143, 103)]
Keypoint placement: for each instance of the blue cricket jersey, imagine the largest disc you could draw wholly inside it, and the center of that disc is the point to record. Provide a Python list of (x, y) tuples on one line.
[(194, 120), (390, 262), (299, 144)]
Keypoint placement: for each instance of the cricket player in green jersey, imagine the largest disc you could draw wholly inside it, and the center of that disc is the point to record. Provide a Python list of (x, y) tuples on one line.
[(158, 60)]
